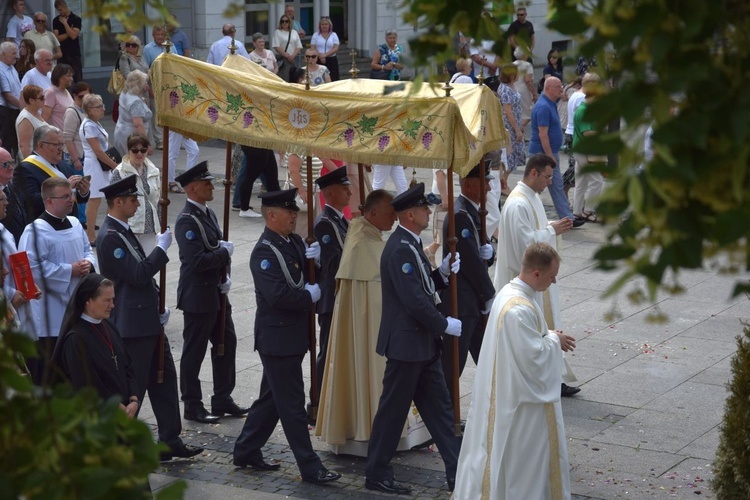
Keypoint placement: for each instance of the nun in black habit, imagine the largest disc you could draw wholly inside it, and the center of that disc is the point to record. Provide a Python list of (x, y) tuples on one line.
[(89, 351)]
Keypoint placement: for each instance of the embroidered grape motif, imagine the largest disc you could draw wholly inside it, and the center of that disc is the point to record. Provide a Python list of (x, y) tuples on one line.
[(349, 136), (174, 99), (213, 114), (247, 119), (427, 140), (383, 142)]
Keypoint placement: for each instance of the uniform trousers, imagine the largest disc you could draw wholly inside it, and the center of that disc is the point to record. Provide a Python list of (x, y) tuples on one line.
[(199, 329), (144, 356), (424, 383), (324, 320), (259, 161), (470, 341), (282, 397)]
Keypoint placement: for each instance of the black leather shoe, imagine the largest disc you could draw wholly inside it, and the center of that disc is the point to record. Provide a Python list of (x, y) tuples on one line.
[(578, 222), (310, 415), (387, 486), (229, 409), (451, 484), (567, 391), (180, 451), (200, 415), (323, 476), (258, 464)]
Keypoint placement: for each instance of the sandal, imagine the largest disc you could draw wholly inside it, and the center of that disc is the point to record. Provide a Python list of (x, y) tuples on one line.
[(589, 216), (175, 188)]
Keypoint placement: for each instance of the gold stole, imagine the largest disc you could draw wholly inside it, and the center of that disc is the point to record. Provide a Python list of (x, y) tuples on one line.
[(555, 473), (41, 165)]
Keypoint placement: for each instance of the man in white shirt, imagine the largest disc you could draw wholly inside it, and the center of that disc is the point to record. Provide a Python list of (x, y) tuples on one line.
[(220, 48), (10, 94), (40, 75), (42, 38), (487, 66)]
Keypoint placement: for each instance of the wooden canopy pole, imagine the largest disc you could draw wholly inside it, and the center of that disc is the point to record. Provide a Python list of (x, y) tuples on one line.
[(163, 204), (360, 167), (452, 241), (225, 234), (314, 396)]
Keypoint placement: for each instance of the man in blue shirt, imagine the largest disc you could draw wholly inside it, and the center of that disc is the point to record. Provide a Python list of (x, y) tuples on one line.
[(547, 137), (180, 42)]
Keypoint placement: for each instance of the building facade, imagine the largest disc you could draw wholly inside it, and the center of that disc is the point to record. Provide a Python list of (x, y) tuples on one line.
[(360, 24)]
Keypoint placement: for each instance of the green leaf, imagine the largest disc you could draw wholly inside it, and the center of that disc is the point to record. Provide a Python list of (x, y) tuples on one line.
[(367, 124), (189, 92), (411, 127), (234, 102)]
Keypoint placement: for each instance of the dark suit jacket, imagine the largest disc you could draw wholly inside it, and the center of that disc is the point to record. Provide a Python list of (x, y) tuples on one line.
[(326, 226), (136, 312), (201, 268), (27, 180), (282, 318), (15, 218), (411, 324), (474, 284)]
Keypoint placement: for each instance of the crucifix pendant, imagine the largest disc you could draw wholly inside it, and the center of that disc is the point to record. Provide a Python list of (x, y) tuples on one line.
[(114, 358)]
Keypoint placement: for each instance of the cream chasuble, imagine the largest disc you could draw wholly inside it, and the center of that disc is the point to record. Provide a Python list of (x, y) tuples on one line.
[(353, 377), (514, 445)]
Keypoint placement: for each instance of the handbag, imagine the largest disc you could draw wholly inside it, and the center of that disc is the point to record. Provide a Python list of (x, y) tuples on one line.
[(380, 74), (116, 80), (114, 156)]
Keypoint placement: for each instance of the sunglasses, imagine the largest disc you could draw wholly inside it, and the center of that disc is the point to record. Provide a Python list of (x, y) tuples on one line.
[(39, 21), (310, 57), (135, 151), (284, 21), (131, 45)]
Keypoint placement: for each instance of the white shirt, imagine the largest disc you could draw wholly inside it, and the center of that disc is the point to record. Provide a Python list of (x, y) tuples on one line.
[(323, 45), (220, 49), (17, 26), (35, 77), (9, 82), (485, 49), (574, 101)]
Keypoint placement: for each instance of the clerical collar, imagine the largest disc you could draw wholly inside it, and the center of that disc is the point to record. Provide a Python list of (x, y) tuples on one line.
[(340, 214), (476, 205), (203, 207), (416, 236), (88, 318), (124, 224), (57, 223)]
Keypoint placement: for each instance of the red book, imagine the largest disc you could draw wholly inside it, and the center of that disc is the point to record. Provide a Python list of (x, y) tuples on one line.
[(19, 265)]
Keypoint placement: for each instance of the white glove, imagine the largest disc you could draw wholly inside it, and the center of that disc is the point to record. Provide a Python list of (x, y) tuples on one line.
[(486, 252), (313, 251), (164, 240), (224, 287), (453, 267), (314, 290), (454, 327), (228, 245), (488, 306), (164, 317)]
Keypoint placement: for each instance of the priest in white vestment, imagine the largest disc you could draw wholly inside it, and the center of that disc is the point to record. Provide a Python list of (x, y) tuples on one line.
[(514, 444), (59, 254), (353, 376), (523, 221)]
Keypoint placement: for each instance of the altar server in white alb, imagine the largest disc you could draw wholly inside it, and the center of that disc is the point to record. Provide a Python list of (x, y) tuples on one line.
[(59, 254), (523, 221), (514, 445)]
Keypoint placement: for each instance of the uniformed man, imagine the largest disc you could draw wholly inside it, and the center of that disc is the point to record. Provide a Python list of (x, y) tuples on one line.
[(475, 290), (204, 276), (410, 338), (284, 298), (330, 232), (136, 314)]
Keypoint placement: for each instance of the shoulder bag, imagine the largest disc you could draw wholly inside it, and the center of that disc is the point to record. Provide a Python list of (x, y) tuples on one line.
[(116, 80)]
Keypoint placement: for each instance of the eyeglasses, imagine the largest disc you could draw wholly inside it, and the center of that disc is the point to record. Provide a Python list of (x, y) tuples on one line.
[(547, 176), (8, 164), (58, 145), (135, 151), (132, 45), (98, 106), (63, 197)]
